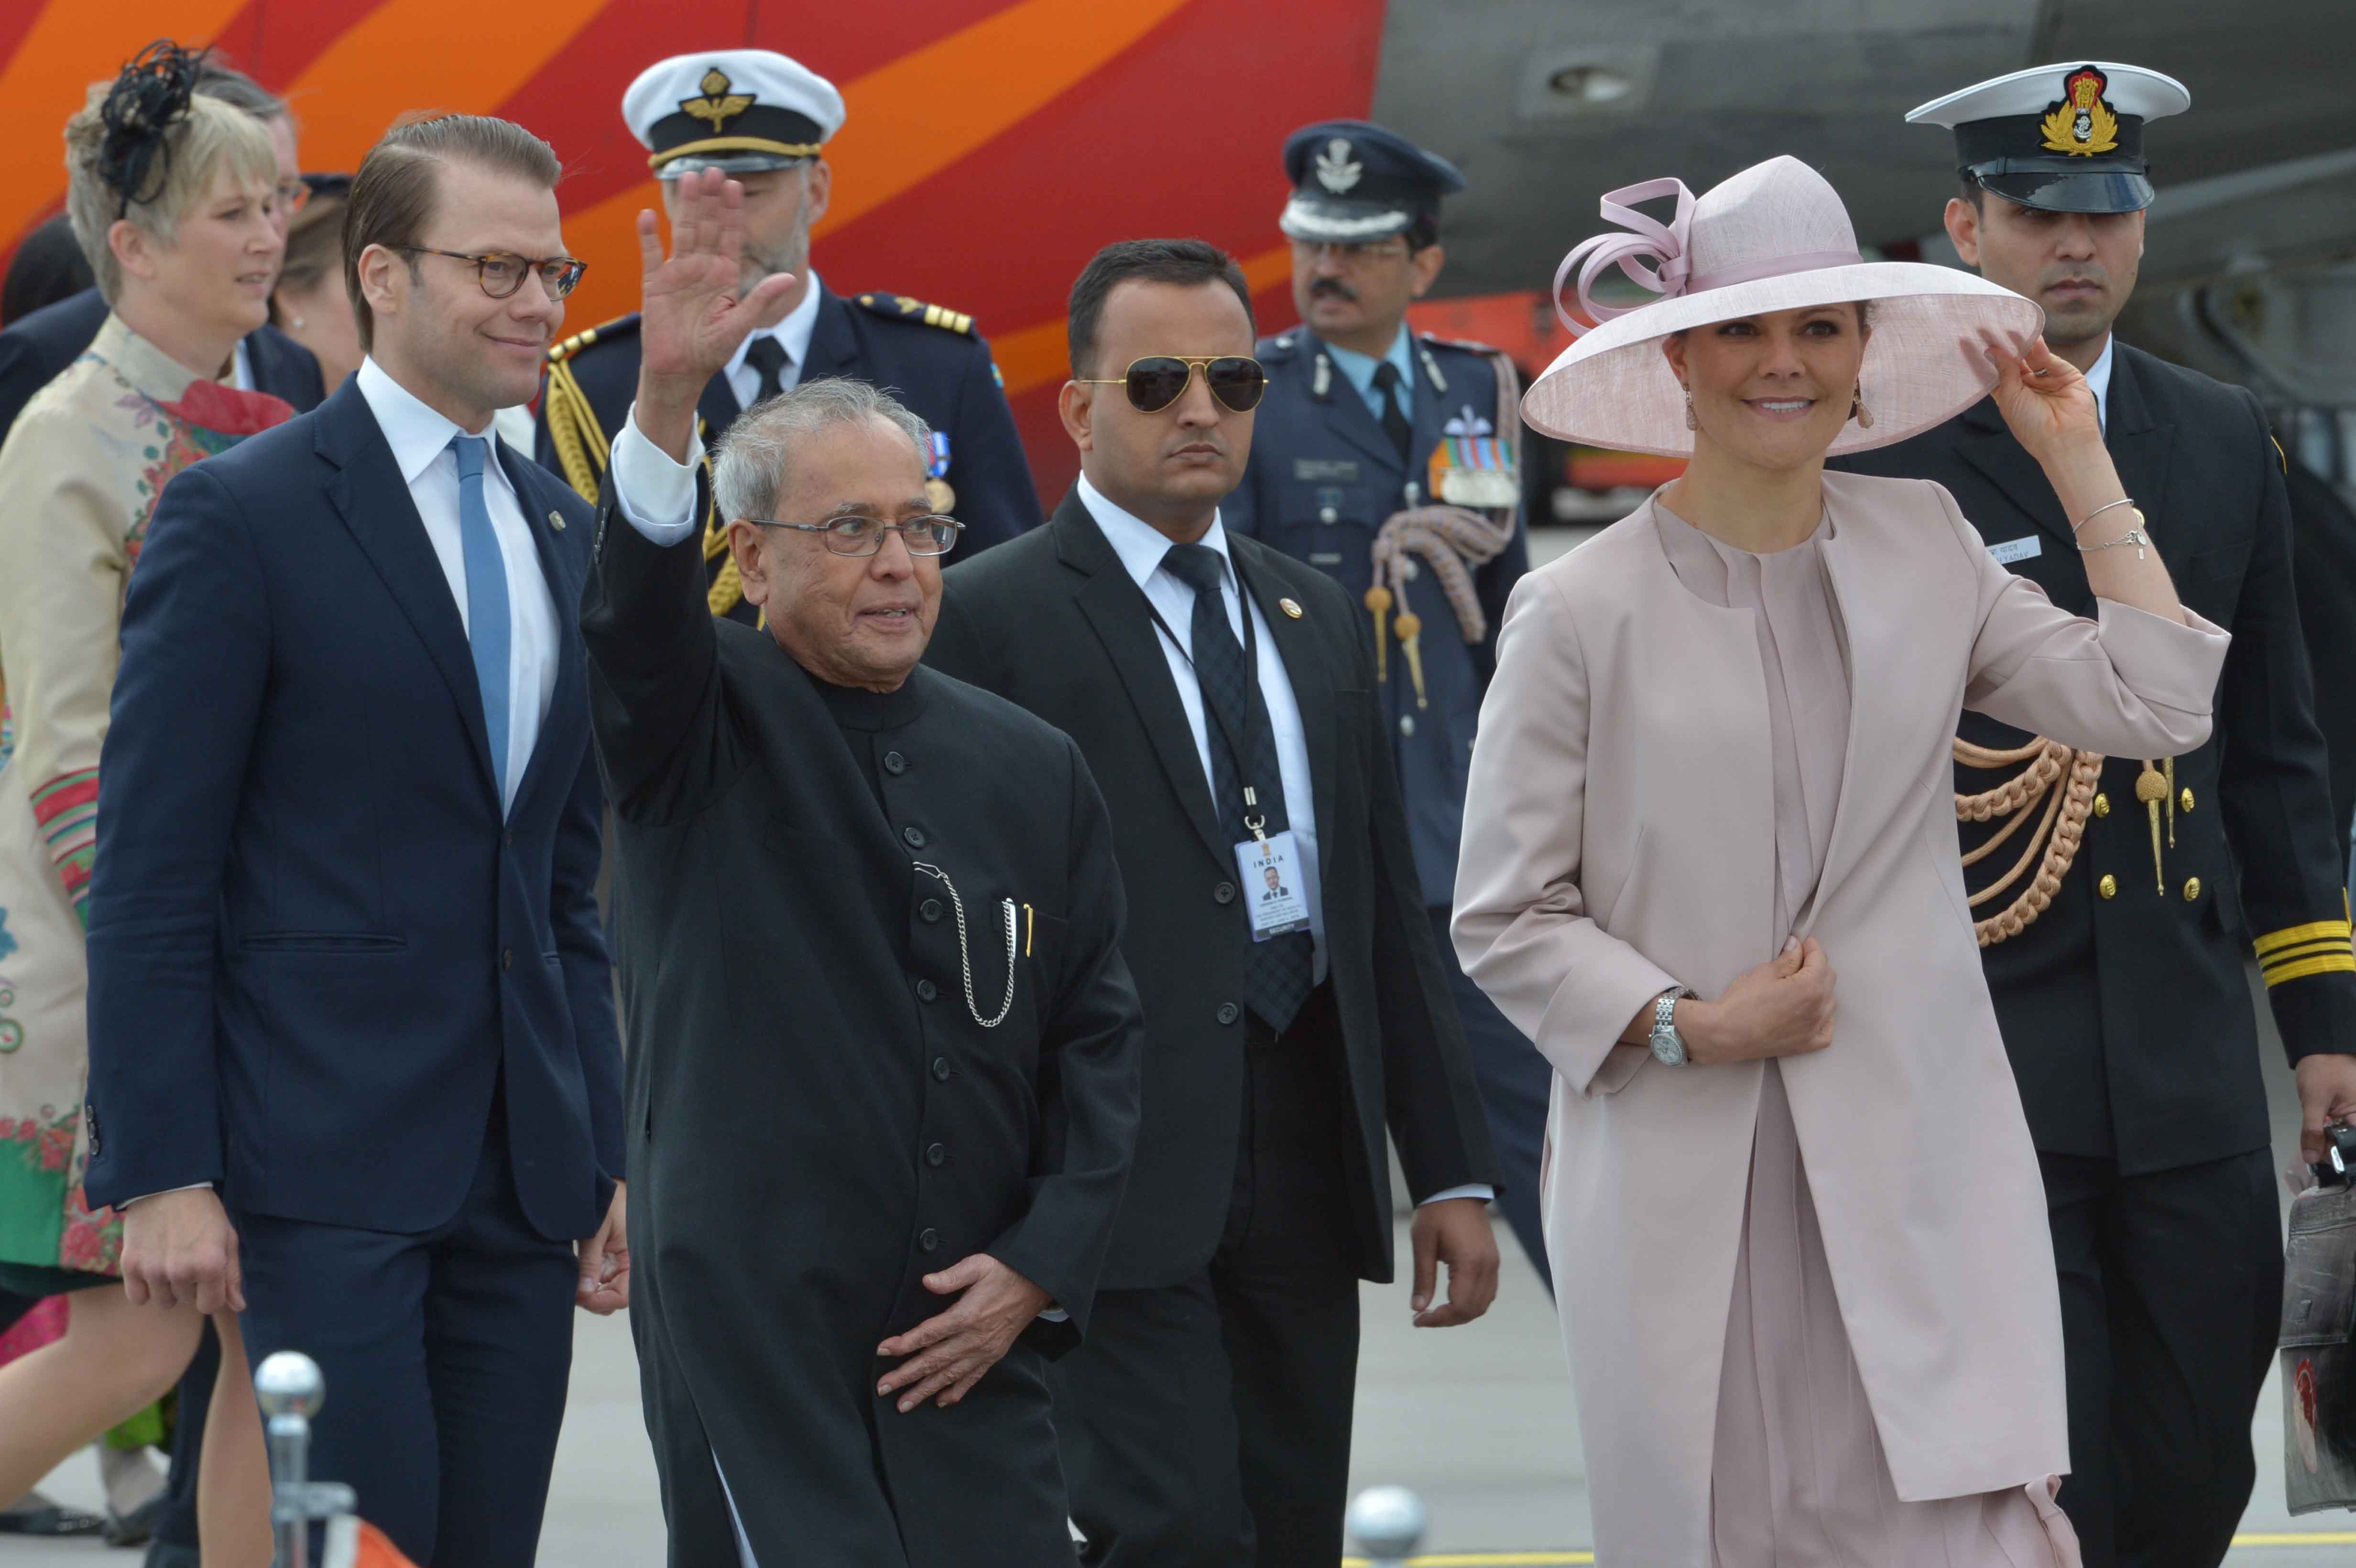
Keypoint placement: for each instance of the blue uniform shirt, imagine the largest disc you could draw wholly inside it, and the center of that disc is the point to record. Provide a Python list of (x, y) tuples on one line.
[(1322, 479), (1360, 369)]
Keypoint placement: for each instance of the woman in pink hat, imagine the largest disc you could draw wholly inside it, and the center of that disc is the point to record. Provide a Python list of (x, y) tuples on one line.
[(1795, 1219)]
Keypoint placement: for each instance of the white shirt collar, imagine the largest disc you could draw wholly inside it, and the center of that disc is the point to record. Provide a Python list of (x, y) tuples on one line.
[(793, 333), (241, 372), (2098, 379), (1139, 543), (417, 433)]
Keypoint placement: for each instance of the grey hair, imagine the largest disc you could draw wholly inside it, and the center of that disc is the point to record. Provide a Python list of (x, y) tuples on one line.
[(749, 467)]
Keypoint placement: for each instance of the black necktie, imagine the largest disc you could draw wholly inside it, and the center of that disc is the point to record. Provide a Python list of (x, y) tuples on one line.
[(767, 355), (1395, 425), (1279, 972)]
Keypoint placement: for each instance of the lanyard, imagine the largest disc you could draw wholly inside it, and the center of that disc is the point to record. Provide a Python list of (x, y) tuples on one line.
[(1255, 819)]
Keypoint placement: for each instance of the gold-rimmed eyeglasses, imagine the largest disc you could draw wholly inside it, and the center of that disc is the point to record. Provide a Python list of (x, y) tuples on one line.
[(855, 535), (501, 272)]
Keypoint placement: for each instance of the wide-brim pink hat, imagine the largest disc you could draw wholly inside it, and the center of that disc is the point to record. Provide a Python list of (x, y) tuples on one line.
[(1772, 237)]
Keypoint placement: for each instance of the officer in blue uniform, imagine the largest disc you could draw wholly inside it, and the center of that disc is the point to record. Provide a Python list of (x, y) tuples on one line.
[(1386, 457), (766, 119)]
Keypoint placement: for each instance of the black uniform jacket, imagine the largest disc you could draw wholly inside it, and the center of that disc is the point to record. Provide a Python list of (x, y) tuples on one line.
[(1323, 481), (41, 342), (2124, 1005), (926, 356), (812, 914), (1055, 622)]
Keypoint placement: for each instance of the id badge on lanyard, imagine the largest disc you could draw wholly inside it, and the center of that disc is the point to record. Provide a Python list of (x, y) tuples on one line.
[(1266, 864)]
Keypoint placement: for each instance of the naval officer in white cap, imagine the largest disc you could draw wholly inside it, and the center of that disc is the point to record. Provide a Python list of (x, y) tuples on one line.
[(765, 120), (2114, 944)]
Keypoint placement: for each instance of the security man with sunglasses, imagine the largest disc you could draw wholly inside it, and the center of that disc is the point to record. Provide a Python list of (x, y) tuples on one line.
[(1385, 458), (765, 120)]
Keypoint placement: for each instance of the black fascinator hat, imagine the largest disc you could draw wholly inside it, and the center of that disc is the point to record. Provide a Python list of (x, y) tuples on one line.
[(147, 99)]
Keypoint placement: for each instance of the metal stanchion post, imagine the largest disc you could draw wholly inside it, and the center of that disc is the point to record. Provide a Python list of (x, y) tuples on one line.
[(1386, 1523), (291, 1391)]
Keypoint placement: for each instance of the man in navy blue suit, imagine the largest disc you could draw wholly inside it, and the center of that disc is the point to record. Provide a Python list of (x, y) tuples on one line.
[(354, 1068)]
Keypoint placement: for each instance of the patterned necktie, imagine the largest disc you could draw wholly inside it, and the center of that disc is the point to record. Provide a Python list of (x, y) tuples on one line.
[(767, 355), (1279, 972), (487, 627), (1395, 423)]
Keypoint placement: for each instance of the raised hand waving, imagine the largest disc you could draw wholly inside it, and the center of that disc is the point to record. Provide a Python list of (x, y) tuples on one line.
[(690, 317)]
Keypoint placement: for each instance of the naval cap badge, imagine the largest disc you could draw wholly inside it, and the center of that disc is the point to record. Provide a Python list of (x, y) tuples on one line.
[(1336, 170), (2082, 125), (718, 105)]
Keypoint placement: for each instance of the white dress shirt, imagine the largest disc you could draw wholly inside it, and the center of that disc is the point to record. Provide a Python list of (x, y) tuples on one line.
[(420, 439), (2098, 381), (792, 335), (1141, 547)]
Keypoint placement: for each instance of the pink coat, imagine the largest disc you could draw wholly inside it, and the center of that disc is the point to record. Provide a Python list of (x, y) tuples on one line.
[(1619, 838)]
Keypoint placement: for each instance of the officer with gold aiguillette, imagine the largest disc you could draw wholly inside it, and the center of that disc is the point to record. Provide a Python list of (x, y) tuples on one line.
[(1387, 458), (765, 120), (2118, 899)]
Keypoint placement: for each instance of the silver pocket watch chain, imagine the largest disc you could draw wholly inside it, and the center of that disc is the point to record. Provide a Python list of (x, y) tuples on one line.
[(965, 958)]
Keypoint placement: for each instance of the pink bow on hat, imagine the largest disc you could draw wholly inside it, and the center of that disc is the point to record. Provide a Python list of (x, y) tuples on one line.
[(1663, 244)]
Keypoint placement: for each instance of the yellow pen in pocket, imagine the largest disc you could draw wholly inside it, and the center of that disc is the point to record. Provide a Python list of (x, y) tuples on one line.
[(1027, 923)]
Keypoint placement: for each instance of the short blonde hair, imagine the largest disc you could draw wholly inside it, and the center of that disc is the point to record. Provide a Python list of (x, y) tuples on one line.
[(211, 137)]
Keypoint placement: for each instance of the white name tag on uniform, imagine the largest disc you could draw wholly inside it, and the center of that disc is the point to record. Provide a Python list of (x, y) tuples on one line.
[(2011, 551), (1272, 884)]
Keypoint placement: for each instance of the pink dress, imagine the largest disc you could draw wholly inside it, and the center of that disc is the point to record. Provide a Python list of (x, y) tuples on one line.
[(1797, 1474)]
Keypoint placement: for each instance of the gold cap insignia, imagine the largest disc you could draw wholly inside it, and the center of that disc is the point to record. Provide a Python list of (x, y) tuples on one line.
[(1289, 607), (718, 105), (2082, 125)]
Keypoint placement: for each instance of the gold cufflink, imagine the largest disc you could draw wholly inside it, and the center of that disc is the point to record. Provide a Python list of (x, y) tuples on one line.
[(1289, 608)]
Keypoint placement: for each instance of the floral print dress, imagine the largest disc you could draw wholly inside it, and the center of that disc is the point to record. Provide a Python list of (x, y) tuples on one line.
[(80, 477)]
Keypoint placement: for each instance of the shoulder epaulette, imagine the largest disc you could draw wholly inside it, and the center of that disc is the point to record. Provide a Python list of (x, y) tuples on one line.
[(1282, 346), (1466, 344), (620, 325), (900, 307)]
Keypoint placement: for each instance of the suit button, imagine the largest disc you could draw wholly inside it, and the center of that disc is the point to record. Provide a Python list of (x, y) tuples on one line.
[(507, 959), (913, 837), (1328, 514), (1228, 1012), (1406, 723), (930, 909), (2192, 888), (2184, 801), (1224, 893), (926, 991), (930, 1241), (895, 764), (2102, 805), (935, 1154), (940, 1069), (2108, 887)]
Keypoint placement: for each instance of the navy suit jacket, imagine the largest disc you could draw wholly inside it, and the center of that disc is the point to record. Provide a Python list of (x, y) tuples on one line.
[(41, 342), (316, 949)]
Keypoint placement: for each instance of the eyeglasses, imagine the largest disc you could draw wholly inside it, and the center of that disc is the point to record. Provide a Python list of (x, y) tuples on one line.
[(864, 536), (1159, 380), (502, 273), (294, 195)]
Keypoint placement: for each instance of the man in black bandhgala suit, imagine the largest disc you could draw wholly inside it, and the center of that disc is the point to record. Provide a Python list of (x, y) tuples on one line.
[(883, 1067)]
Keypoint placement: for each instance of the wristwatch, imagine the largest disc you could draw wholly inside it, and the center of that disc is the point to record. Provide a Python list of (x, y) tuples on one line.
[(1668, 1045)]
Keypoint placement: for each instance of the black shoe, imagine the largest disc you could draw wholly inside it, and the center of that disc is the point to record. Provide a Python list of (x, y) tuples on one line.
[(172, 1554), (134, 1529), (49, 1518)]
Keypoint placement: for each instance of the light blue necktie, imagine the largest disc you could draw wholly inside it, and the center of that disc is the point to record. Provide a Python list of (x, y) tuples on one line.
[(487, 627)]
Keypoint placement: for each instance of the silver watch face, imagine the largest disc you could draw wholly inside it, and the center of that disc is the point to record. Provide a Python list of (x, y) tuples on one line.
[(1668, 1048)]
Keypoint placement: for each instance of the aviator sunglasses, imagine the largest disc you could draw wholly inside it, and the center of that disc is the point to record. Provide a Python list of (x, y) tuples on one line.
[(1159, 380)]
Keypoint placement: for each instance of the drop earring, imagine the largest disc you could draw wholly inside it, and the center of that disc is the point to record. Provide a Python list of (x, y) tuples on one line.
[(1690, 424), (1856, 409)]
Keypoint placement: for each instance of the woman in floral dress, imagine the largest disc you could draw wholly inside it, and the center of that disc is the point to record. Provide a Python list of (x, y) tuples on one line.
[(172, 196)]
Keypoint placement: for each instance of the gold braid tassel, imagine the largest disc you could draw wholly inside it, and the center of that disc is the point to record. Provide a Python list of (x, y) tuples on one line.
[(2151, 788), (2068, 801), (1410, 632), (1378, 600)]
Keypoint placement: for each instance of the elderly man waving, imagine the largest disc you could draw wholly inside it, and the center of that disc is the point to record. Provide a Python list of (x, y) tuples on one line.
[(884, 1089)]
